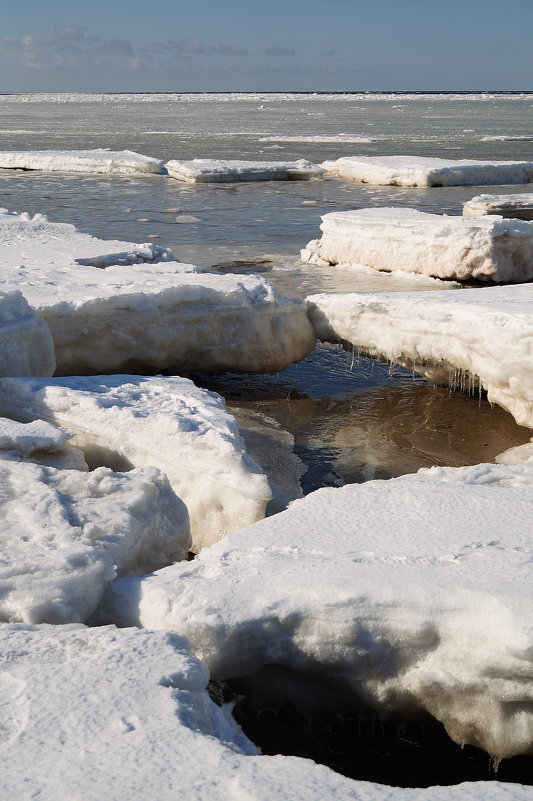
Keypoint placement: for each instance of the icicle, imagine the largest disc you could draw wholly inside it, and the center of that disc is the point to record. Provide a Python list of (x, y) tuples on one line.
[(495, 763)]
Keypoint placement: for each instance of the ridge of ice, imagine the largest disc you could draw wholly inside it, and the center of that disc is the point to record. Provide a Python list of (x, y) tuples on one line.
[(425, 171), (485, 248), (410, 595), (169, 423), (100, 160), (219, 170), (477, 336), (26, 345)]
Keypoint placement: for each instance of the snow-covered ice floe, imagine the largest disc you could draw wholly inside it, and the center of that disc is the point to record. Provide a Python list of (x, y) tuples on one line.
[(131, 713), (485, 248), (220, 171), (39, 442), (410, 596), (132, 315), (517, 206), (66, 534), (26, 345), (100, 160), (473, 337), (423, 171), (129, 421)]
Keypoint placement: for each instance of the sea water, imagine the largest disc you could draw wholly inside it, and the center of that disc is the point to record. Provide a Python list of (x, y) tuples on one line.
[(353, 419)]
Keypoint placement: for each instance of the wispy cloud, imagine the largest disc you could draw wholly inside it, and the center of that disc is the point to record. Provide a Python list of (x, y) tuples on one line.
[(279, 51)]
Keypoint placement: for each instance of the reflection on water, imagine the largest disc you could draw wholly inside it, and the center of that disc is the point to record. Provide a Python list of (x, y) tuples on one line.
[(353, 422)]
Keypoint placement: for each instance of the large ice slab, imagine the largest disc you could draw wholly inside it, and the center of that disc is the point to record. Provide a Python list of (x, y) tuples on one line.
[(154, 316), (410, 595), (125, 420), (475, 337), (26, 345), (66, 534), (100, 160), (129, 712), (520, 207), (485, 248), (219, 171), (423, 171)]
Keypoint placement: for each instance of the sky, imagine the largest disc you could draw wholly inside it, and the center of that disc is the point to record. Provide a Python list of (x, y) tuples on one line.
[(272, 45)]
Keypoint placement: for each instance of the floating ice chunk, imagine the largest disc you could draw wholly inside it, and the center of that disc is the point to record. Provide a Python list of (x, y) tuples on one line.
[(100, 160), (485, 248), (33, 242), (409, 595), (517, 206), (26, 345), (477, 337), (188, 433), (217, 170), (66, 534), (422, 171), (152, 315)]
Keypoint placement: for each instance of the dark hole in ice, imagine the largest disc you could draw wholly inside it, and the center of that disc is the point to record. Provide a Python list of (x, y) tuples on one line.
[(364, 748)]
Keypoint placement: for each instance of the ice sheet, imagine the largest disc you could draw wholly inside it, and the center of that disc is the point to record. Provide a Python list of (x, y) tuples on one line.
[(100, 160), (484, 248), (26, 345), (66, 534), (517, 206), (422, 171), (218, 170), (129, 712), (468, 338), (410, 594), (126, 420), (147, 315)]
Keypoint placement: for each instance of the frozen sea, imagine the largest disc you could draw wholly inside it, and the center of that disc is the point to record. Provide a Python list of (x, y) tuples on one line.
[(353, 419)]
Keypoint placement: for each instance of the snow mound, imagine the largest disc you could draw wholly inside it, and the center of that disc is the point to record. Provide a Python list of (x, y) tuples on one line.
[(100, 160), (125, 421), (422, 171), (40, 443), (132, 316), (218, 171), (521, 454), (475, 337), (408, 595), (133, 720), (517, 206), (26, 345), (484, 248), (66, 534)]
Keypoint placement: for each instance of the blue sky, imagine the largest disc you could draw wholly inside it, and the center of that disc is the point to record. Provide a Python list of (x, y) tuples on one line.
[(158, 45)]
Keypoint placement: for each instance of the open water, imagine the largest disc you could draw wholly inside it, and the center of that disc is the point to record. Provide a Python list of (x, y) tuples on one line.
[(352, 419)]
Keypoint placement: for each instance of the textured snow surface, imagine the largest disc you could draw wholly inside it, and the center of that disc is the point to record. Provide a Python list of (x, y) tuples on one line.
[(66, 534), (517, 206), (26, 345), (470, 337), (485, 248), (410, 594), (40, 443), (148, 315), (422, 171), (218, 170), (126, 420), (123, 715), (101, 160)]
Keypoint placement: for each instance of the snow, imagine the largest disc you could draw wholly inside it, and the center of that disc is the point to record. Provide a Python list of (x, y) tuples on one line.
[(521, 454), (147, 315), (40, 443), (26, 345), (469, 337), (66, 534), (516, 206), (408, 595), (422, 171), (100, 160), (218, 170), (484, 248), (125, 420), (123, 714)]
